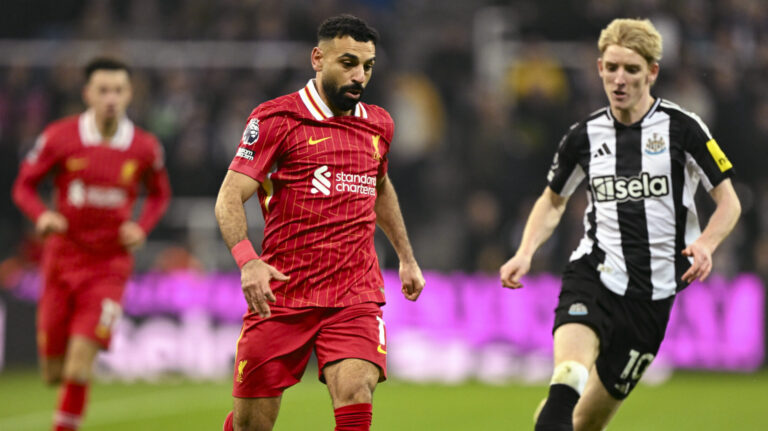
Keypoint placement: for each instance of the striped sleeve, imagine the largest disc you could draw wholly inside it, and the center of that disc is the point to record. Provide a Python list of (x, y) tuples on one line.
[(566, 173), (260, 144), (704, 154)]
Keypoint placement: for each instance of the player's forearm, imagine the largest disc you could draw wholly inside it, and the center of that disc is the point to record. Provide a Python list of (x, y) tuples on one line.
[(158, 198), (230, 214), (542, 221), (25, 196), (722, 221), (390, 220)]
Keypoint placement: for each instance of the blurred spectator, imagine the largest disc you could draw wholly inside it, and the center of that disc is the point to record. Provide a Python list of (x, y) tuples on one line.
[(471, 157)]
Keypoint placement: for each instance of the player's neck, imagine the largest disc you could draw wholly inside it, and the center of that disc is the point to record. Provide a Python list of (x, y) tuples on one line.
[(635, 113), (107, 126)]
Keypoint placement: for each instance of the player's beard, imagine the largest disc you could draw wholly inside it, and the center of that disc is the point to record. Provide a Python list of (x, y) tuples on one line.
[(337, 98)]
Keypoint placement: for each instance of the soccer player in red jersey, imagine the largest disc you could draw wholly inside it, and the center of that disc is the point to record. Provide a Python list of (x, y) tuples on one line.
[(318, 160), (98, 160)]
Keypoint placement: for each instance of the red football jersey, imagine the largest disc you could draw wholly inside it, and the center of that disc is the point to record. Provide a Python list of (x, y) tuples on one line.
[(318, 175), (96, 181)]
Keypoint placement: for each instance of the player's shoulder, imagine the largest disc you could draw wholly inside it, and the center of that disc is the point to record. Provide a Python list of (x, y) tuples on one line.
[(376, 113), (579, 128), (287, 105), (686, 117), (669, 106), (64, 126), (145, 142), (602, 115), (59, 136), (144, 136), (576, 135)]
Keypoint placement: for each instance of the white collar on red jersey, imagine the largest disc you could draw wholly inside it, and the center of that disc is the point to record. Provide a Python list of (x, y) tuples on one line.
[(318, 108), (90, 135)]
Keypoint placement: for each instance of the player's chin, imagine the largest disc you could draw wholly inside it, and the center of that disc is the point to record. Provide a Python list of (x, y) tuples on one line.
[(349, 103)]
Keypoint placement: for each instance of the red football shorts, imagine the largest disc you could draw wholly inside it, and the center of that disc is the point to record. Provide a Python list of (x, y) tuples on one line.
[(273, 353), (81, 296)]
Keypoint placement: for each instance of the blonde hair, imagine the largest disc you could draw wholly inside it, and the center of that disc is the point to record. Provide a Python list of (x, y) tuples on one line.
[(639, 35)]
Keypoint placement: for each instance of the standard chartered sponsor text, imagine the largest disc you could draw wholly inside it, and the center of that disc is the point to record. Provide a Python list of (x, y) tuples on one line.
[(79, 194), (355, 183)]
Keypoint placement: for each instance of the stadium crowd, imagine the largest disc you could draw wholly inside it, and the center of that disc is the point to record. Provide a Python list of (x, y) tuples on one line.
[(472, 154)]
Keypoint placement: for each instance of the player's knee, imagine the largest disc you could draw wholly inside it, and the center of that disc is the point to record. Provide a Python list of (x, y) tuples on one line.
[(585, 422), (355, 392), (51, 371), (255, 414), (78, 371), (51, 378), (250, 423), (242, 424), (571, 373), (361, 393)]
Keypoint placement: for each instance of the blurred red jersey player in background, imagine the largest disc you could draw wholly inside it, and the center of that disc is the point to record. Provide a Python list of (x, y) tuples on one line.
[(98, 160)]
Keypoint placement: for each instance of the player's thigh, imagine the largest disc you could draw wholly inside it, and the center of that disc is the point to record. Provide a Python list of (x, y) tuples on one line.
[(98, 307), (351, 381), (358, 332), (581, 321), (272, 354), (639, 331), (255, 414), (576, 342), (78, 362), (55, 310), (596, 407)]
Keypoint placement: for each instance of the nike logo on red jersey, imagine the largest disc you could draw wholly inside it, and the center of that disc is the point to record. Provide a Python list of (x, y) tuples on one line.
[(317, 141)]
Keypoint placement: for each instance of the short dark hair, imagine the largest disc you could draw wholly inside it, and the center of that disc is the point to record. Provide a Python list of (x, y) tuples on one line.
[(347, 25), (105, 63)]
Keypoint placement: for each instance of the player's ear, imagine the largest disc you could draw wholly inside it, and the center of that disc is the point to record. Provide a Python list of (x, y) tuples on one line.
[(600, 66), (653, 72), (317, 59), (129, 90), (86, 94)]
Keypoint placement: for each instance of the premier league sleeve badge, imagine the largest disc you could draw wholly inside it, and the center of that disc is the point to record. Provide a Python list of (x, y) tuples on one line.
[(251, 133)]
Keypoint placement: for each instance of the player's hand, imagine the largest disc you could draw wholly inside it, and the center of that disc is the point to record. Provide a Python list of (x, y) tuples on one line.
[(702, 262), (51, 222), (511, 272), (412, 279), (255, 276), (131, 235)]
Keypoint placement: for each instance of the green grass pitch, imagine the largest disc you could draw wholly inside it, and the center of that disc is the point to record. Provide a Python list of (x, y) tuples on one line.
[(688, 401)]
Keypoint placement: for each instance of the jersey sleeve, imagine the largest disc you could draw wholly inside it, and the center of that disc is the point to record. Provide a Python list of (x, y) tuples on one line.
[(566, 174), (389, 132), (704, 155), (40, 160), (158, 189), (260, 144)]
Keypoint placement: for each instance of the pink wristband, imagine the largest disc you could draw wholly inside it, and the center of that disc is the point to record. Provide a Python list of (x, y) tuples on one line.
[(243, 252)]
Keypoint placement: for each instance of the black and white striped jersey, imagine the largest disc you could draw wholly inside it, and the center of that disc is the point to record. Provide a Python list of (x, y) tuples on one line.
[(641, 183)]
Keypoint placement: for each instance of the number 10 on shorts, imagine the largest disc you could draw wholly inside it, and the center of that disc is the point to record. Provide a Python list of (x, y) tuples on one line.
[(636, 364)]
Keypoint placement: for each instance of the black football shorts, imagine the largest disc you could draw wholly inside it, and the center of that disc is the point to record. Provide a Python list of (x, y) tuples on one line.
[(630, 330)]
